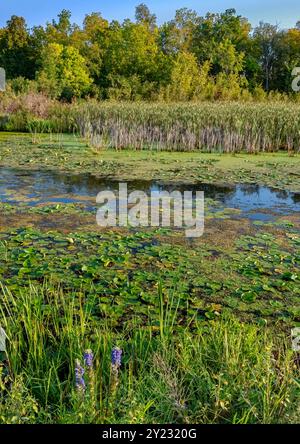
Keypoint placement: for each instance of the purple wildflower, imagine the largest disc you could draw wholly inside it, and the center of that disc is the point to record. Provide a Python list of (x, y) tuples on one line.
[(88, 358), (79, 372), (116, 357)]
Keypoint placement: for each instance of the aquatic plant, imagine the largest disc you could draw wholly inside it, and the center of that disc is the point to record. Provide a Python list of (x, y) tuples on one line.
[(209, 127), (205, 330), (79, 380), (116, 362), (88, 358), (243, 373), (228, 127), (116, 358)]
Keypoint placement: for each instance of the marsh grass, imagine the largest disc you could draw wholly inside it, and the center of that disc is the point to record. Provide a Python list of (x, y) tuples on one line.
[(220, 371), (225, 127), (209, 127)]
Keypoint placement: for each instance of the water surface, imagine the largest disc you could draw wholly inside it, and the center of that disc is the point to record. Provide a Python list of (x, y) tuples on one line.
[(44, 187)]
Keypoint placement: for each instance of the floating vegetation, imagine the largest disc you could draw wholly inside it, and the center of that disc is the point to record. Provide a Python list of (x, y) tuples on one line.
[(118, 273), (143, 325), (71, 155)]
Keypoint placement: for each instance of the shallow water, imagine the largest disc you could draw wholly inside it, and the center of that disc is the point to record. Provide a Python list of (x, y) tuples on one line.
[(41, 187)]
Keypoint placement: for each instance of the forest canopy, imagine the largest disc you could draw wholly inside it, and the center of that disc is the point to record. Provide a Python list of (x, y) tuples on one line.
[(192, 57)]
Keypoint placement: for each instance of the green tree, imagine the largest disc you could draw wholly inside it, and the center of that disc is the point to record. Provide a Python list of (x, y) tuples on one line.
[(144, 16), (16, 54), (138, 60), (287, 58), (95, 41), (229, 60), (184, 77), (188, 80), (132, 55), (266, 38), (63, 25), (61, 30), (177, 35), (64, 73), (214, 29)]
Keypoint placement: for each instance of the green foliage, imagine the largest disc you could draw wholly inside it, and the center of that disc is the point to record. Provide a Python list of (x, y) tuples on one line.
[(131, 62), (21, 85), (63, 72), (221, 372), (141, 60), (205, 330), (16, 51), (229, 60), (184, 78), (118, 274), (143, 15), (17, 406)]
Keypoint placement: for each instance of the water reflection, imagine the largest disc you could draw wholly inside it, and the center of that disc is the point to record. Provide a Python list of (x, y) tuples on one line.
[(35, 187)]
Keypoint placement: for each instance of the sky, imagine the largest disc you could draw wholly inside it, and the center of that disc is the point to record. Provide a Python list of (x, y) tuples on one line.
[(285, 13)]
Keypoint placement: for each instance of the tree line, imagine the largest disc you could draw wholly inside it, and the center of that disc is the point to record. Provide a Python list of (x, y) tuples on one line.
[(216, 56)]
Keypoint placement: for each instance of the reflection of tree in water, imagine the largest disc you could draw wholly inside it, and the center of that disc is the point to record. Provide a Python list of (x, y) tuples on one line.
[(218, 193), (250, 188), (281, 194), (75, 183), (47, 183), (296, 197)]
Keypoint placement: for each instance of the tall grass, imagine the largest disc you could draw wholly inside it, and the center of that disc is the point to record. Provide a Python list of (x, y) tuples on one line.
[(211, 372), (217, 126), (227, 127), (223, 127)]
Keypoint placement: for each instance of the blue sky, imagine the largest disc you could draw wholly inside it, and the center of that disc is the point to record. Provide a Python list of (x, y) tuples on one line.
[(286, 13)]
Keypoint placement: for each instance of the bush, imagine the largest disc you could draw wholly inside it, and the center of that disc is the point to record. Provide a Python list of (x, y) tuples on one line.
[(32, 103)]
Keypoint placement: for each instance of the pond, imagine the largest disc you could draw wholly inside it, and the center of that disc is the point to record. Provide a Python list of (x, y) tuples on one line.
[(34, 188)]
